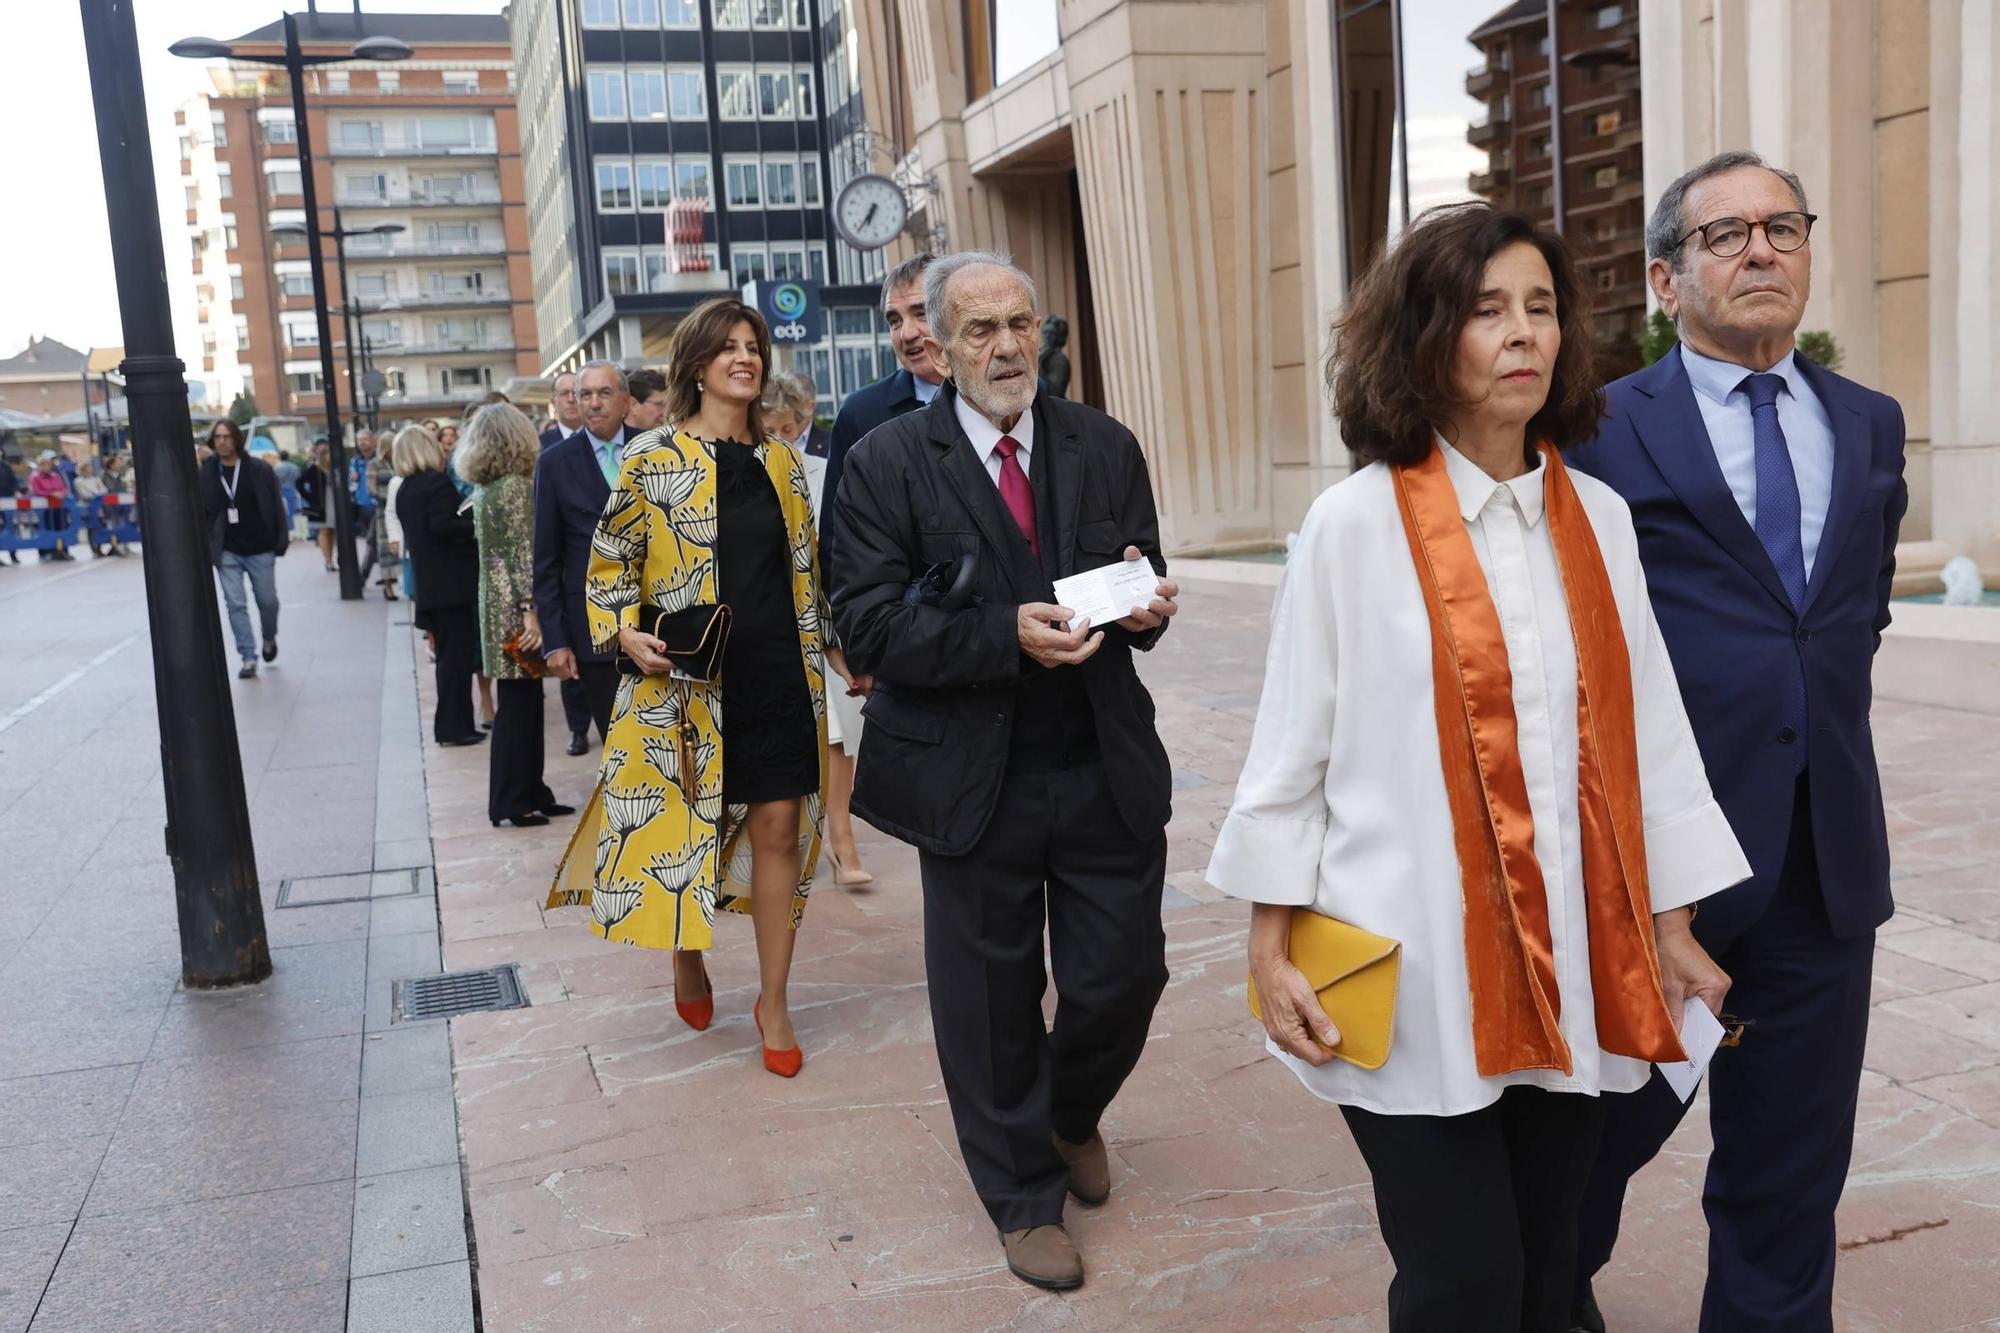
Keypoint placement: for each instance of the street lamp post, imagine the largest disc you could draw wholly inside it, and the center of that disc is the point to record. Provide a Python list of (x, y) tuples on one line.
[(295, 63), (209, 842)]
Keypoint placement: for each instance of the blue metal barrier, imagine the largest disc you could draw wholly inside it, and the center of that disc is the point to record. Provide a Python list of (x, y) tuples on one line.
[(25, 523)]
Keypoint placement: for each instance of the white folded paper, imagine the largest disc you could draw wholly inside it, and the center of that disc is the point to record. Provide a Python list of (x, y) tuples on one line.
[(1108, 592), (1700, 1035)]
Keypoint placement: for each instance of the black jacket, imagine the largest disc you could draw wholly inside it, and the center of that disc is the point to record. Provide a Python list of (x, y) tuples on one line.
[(570, 492), (313, 499), (441, 541), (260, 477), (941, 718)]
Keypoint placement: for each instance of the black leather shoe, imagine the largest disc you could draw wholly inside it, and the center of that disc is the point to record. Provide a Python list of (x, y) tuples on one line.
[(579, 742), (1584, 1316), (556, 810), (270, 650), (529, 820), (248, 671), (473, 739)]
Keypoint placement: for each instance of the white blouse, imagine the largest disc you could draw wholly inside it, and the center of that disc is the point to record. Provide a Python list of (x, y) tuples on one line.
[(1342, 805)]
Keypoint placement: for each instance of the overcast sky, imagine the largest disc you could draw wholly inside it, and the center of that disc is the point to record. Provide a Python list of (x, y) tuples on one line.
[(55, 250)]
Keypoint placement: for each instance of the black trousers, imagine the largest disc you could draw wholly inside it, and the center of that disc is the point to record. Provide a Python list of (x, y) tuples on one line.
[(1057, 850), (1781, 1110), (1479, 1210), (514, 783), (588, 698), (456, 630)]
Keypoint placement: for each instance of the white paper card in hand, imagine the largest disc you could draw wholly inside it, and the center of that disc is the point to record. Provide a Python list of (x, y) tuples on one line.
[(1700, 1035), (1108, 592)]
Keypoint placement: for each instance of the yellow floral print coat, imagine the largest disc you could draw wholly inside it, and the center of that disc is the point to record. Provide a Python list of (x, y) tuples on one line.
[(655, 851)]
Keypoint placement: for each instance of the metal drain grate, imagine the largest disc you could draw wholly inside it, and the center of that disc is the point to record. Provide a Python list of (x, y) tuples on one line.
[(455, 993)]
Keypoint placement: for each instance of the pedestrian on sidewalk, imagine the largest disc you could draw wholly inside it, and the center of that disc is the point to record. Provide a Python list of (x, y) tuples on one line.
[(498, 456), (788, 407), (246, 535), (1014, 745), (49, 484), (443, 541), (392, 523), (363, 497), (447, 437), (1470, 746), (705, 805), (389, 563), (316, 483), (1773, 494)]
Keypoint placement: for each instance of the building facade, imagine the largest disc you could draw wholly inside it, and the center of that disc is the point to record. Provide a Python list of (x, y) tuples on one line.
[(429, 145), (678, 149), (48, 378), (1586, 119), (1886, 109)]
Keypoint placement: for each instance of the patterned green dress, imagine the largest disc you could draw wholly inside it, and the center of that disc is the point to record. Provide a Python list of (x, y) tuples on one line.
[(503, 514)]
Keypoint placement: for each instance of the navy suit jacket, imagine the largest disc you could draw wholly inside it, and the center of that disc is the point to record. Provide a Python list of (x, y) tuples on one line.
[(1739, 648), (862, 411), (570, 492), (552, 437)]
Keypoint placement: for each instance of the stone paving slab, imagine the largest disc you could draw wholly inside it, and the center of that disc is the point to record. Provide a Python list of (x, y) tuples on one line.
[(626, 1172)]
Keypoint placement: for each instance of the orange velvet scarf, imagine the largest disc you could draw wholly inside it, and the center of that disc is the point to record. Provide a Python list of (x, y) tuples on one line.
[(1509, 958)]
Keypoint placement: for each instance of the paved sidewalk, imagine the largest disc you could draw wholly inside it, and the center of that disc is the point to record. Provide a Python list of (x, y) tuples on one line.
[(628, 1173), (266, 1158)]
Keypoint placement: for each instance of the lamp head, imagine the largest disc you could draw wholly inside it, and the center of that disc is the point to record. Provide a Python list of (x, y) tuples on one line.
[(381, 48), (201, 48)]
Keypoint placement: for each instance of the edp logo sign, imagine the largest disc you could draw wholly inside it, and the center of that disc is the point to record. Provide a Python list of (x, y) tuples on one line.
[(792, 309)]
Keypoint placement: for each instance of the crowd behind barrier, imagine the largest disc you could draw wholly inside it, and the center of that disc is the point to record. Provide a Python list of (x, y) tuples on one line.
[(38, 523)]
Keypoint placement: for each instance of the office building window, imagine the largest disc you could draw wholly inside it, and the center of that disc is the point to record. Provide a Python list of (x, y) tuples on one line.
[(461, 81), (1604, 177), (849, 321), (358, 133), (682, 13), (691, 178), (242, 323), (363, 185), (389, 82), (816, 260), (1610, 16), (809, 182), (371, 284), (621, 272), (1538, 97), (731, 13), (788, 262), (735, 93), (221, 132), (748, 263), (687, 95), (614, 186), (224, 188), (778, 13), (606, 90), (741, 182), (600, 13), (295, 284), (1538, 146), (305, 381), (236, 287), (334, 81), (648, 95), (1607, 278), (781, 183), (642, 13), (280, 131), (1607, 122), (456, 235), (774, 94), (802, 90)]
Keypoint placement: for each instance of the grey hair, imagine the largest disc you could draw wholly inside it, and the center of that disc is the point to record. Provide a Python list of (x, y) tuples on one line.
[(499, 441), (937, 281), (790, 392), (1669, 223), (612, 366), (909, 271), (561, 375)]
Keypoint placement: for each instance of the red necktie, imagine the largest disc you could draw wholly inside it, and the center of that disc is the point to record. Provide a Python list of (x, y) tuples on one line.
[(1015, 491)]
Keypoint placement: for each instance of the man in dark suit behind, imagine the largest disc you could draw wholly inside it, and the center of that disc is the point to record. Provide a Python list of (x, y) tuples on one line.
[(569, 414), (1767, 494), (1015, 750), (913, 384), (572, 482)]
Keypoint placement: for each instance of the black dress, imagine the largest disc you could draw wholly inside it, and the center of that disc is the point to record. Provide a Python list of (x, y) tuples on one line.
[(770, 737)]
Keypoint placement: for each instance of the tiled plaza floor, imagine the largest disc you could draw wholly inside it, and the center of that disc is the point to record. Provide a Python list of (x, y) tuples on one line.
[(628, 1173)]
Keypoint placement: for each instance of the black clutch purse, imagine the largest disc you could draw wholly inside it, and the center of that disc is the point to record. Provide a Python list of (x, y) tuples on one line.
[(694, 638)]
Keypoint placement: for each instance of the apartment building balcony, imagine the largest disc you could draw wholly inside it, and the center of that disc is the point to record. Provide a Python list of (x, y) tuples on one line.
[(1486, 182), (425, 249), (417, 198), (395, 150), (1622, 193), (438, 346), (1479, 80), (391, 301), (1487, 132)]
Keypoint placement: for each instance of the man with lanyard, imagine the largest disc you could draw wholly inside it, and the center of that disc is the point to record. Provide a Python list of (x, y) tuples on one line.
[(246, 535)]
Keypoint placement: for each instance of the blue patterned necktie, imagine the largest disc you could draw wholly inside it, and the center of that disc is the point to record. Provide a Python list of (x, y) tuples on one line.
[(1777, 487)]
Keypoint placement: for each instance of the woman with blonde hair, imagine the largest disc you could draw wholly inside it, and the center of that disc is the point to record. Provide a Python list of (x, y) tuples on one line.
[(699, 806), (498, 456), (445, 548)]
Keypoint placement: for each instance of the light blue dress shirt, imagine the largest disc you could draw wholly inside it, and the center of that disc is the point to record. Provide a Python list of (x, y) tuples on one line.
[(1725, 410), (925, 389), (607, 452)]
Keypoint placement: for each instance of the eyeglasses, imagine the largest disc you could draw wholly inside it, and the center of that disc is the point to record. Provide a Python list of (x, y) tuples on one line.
[(1726, 238)]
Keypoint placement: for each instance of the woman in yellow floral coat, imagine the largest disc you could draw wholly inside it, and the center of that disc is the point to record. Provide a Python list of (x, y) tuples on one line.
[(700, 805)]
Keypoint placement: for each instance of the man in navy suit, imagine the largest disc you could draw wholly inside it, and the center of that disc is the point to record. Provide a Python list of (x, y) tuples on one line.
[(572, 482), (569, 414), (1767, 494), (913, 384)]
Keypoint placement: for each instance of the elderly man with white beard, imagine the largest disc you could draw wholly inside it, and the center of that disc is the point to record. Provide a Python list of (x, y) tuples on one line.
[(1010, 740)]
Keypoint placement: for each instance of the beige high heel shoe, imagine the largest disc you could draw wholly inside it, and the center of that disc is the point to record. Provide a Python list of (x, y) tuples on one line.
[(842, 878)]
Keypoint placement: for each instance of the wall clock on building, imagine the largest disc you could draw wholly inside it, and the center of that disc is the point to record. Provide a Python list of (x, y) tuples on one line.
[(870, 212)]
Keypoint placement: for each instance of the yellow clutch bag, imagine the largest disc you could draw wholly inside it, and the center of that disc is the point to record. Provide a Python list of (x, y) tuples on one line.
[(1354, 972)]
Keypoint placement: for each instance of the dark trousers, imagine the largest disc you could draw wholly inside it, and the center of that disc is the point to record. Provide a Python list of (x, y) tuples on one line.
[(1479, 1210), (514, 783), (589, 697), (1781, 1112), (1056, 849), (457, 633)]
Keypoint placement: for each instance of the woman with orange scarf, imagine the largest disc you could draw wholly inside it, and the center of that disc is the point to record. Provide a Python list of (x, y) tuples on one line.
[(1471, 747)]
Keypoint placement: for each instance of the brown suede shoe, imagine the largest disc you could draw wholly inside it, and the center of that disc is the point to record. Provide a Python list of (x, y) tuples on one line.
[(1089, 1168), (1044, 1256)]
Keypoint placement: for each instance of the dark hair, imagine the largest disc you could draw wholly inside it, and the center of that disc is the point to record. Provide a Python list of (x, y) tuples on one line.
[(241, 441), (1391, 373), (909, 271), (644, 383), (698, 340)]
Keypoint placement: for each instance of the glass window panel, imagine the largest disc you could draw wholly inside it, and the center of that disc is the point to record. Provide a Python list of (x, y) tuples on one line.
[(857, 367), (809, 181), (607, 94), (687, 96), (600, 13), (781, 184), (742, 181), (774, 94), (649, 94), (642, 13), (850, 319), (802, 83), (614, 185), (682, 14), (691, 179), (732, 13), (747, 263), (736, 93)]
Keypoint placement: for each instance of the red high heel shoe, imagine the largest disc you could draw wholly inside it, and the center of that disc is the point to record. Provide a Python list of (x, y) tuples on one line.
[(697, 1014), (785, 1064)]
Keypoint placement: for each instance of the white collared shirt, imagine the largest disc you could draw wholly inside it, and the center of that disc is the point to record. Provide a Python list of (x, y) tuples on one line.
[(1725, 410), (985, 436), (1341, 804), (926, 389)]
